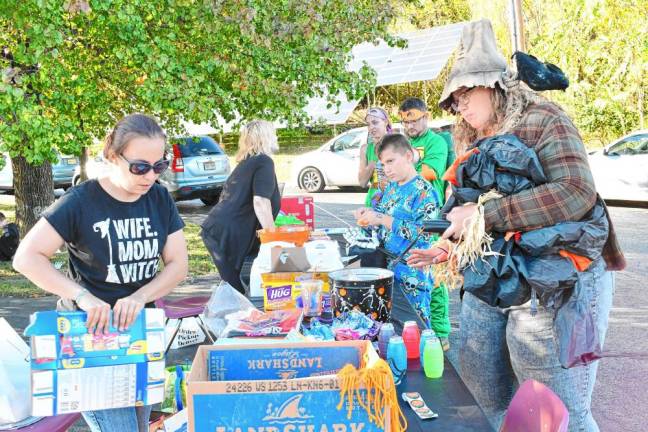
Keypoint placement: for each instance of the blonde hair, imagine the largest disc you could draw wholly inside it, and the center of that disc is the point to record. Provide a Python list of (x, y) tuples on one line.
[(257, 137), (508, 107)]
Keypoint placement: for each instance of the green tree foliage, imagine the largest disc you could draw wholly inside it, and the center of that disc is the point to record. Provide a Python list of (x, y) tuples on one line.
[(602, 46), (71, 68)]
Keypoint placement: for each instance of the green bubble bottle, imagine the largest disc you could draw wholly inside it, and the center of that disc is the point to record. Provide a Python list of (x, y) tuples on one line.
[(433, 358)]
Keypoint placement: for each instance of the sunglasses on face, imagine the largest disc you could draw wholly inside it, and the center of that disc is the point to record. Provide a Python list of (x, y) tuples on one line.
[(142, 167)]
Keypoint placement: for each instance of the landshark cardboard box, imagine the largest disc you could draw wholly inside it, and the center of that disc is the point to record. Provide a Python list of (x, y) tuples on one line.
[(278, 405), (73, 370)]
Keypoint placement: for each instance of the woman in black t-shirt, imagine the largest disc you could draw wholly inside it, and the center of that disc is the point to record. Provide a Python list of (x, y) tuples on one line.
[(250, 200), (116, 229)]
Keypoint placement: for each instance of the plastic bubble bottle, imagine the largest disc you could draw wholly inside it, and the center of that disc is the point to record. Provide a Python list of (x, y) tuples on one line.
[(433, 358), (412, 339)]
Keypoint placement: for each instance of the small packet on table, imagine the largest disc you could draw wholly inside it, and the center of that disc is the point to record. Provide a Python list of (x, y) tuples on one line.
[(417, 404)]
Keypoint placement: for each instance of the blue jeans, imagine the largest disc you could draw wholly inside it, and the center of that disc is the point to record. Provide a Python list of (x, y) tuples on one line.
[(501, 348), (130, 419)]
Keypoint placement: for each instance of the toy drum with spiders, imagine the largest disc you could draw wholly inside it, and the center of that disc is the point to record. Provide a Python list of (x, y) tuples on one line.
[(366, 289)]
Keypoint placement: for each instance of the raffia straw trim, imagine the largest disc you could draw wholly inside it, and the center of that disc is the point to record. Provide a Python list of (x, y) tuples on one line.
[(475, 243), (378, 381)]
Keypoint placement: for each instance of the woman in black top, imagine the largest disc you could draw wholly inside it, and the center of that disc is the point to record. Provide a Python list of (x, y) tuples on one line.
[(250, 200), (117, 229)]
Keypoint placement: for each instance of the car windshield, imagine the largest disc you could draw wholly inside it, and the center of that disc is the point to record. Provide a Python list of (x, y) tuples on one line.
[(348, 141), (637, 144), (198, 146)]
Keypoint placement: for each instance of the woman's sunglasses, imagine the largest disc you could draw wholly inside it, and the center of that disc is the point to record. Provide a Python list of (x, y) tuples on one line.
[(141, 167)]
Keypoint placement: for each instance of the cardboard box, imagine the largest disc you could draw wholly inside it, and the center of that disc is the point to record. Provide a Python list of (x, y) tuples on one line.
[(302, 404), (281, 360), (288, 259), (66, 391), (301, 207), (60, 340), (280, 290), (74, 371)]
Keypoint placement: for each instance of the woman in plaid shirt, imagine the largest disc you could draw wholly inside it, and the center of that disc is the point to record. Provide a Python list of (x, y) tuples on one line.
[(502, 347)]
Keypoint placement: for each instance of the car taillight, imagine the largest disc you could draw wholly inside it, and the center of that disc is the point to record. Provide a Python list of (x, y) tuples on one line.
[(178, 164)]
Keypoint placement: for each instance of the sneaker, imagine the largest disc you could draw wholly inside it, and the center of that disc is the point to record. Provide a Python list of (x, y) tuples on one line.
[(445, 343)]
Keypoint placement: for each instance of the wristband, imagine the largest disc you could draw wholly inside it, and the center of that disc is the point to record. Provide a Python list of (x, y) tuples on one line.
[(81, 293)]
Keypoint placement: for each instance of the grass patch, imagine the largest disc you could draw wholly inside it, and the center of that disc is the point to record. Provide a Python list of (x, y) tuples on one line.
[(283, 165), (9, 211), (200, 262), (15, 284)]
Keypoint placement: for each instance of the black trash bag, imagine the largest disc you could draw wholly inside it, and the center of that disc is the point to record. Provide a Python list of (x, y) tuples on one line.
[(549, 275), (579, 341), (585, 237), (500, 279), (512, 155), (538, 75)]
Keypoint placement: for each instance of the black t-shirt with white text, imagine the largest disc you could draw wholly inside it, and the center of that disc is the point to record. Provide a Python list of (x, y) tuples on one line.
[(114, 246)]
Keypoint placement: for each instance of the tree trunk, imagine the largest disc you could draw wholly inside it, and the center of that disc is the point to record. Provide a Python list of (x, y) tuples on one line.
[(34, 191), (83, 160)]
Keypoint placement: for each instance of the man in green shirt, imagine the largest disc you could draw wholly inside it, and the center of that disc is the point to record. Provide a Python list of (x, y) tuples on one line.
[(433, 152), (431, 147)]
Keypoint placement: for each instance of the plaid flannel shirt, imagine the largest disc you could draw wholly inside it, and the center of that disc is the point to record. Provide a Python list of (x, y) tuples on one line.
[(569, 192)]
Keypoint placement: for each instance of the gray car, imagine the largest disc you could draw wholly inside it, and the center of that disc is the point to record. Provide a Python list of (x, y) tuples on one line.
[(62, 171), (199, 168)]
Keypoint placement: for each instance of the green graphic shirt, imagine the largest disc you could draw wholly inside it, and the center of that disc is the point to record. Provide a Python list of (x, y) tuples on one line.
[(433, 152)]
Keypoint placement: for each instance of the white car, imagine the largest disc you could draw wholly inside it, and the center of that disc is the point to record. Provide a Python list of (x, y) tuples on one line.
[(336, 162), (620, 169), (333, 164)]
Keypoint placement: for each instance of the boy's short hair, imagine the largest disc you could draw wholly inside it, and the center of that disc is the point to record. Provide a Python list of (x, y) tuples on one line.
[(413, 103), (398, 142)]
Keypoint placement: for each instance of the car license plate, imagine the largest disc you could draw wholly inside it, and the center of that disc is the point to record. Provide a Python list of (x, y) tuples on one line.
[(209, 166), (71, 161)]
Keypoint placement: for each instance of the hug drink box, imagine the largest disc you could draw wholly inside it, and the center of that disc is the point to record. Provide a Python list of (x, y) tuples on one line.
[(265, 393), (73, 370), (280, 290)]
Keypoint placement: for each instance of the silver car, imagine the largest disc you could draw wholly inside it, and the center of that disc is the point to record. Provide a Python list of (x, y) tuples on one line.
[(62, 171), (199, 168), (336, 162)]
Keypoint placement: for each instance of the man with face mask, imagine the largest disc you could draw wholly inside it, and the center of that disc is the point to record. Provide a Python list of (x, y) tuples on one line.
[(432, 149)]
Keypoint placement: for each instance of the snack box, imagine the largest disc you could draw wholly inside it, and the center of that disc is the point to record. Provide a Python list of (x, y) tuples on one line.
[(74, 371), (280, 290), (60, 340)]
